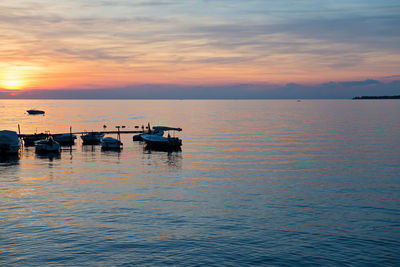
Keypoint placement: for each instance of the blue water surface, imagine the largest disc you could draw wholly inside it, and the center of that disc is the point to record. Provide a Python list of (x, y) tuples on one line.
[(258, 182)]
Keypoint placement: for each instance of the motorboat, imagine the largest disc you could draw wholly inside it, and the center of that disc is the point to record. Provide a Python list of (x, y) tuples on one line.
[(65, 139), (156, 140), (111, 143), (35, 112), (47, 145), (30, 140), (9, 142), (92, 138)]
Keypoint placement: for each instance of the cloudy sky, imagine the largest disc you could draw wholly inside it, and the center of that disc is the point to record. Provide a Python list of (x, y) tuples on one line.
[(228, 48)]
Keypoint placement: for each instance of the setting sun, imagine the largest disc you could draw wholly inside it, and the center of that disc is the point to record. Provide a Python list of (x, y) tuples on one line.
[(13, 79), (11, 84)]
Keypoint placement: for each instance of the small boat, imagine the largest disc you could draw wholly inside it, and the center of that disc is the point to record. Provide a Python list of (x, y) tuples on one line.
[(65, 139), (156, 140), (92, 138), (47, 145), (35, 112), (30, 140), (111, 143), (9, 142)]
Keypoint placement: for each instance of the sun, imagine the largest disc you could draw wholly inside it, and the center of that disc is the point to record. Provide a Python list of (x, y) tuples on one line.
[(11, 84), (12, 80)]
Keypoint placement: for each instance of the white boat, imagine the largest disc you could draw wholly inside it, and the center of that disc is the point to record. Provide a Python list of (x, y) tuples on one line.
[(92, 138), (65, 139), (47, 145), (9, 142), (35, 111), (156, 140), (111, 143)]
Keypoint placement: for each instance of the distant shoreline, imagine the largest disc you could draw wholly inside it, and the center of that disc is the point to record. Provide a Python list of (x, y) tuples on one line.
[(377, 97)]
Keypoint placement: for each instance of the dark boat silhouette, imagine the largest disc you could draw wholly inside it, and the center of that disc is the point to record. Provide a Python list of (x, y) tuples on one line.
[(92, 138), (155, 140), (35, 112)]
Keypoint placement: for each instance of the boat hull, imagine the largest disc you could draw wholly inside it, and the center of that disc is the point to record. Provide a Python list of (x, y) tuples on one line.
[(111, 148), (6, 149), (47, 148), (35, 112), (91, 142), (162, 147)]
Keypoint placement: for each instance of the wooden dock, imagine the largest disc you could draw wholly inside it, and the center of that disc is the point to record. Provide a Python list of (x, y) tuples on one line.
[(85, 132), (144, 129), (30, 139)]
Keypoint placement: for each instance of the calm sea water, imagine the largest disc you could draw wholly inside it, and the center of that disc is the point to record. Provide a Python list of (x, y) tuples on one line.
[(257, 183)]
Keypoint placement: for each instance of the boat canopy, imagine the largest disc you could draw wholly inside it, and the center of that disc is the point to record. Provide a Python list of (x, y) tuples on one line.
[(166, 128)]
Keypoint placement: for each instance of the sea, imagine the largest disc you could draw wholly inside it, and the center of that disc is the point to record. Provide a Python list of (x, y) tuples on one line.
[(257, 183)]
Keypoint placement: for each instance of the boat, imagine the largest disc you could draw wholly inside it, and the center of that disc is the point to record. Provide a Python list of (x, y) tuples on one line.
[(47, 145), (35, 112), (155, 140), (30, 140), (111, 143), (92, 138), (9, 142), (65, 139)]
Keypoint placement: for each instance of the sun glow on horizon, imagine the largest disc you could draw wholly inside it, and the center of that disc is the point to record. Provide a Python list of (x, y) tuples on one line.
[(11, 84), (13, 79)]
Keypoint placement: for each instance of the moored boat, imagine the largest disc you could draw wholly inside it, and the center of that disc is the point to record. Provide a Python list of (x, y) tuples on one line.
[(30, 140), (65, 139), (92, 138), (47, 145), (156, 140), (9, 142), (111, 143), (35, 112)]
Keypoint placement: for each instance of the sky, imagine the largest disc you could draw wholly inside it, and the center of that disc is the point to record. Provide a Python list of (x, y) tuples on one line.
[(199, 48)]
